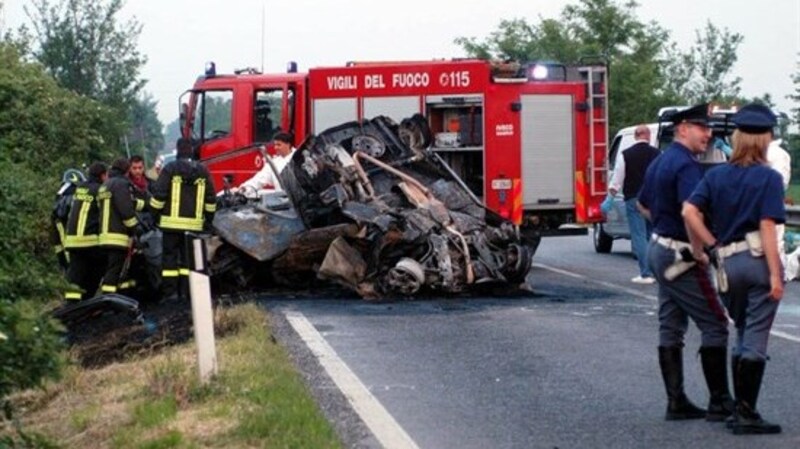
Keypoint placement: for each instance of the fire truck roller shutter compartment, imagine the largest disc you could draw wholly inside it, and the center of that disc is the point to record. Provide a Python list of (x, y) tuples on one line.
[(335, 111), (548, 157), (457, 124), (396, 108)]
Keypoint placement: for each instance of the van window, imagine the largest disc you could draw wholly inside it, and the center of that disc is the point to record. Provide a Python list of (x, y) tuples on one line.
[(612, 154)]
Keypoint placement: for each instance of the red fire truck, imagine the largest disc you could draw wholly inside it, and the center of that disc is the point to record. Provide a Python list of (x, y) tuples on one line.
[(528, 139)]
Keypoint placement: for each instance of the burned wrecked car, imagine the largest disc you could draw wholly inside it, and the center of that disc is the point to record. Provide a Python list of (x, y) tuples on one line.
[(368, 206)]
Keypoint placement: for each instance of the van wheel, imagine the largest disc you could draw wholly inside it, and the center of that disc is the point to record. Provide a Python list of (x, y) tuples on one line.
[(602, 241)]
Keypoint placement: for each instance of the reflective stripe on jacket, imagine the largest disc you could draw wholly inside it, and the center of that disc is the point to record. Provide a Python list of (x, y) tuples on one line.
[(83, 224), (184, 195), (117, 211)]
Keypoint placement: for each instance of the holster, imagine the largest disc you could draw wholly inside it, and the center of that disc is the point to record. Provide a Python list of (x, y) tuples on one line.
[(677, 268), (722, 276)]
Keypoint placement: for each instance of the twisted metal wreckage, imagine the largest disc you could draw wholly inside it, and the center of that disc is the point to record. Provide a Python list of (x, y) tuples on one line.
[(365, 205), (368, 206)]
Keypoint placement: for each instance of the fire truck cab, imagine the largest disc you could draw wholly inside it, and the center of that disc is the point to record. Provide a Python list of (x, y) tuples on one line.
[(529, 140)]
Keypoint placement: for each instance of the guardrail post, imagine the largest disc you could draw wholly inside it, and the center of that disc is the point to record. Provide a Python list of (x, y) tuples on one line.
[(202, 312)]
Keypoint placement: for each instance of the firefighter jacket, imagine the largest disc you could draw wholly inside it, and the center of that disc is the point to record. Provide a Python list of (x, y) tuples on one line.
[(58, 221), (83, 223), (184, 196), (117, 210)]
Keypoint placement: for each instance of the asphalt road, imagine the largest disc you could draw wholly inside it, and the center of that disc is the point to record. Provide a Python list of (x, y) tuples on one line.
[(571, 365)]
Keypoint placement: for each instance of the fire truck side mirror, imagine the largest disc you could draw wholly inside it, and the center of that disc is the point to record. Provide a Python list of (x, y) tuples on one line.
[(516, 106)]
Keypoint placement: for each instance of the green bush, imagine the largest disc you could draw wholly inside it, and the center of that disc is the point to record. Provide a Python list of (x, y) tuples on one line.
[(29, 346), (44, 130)]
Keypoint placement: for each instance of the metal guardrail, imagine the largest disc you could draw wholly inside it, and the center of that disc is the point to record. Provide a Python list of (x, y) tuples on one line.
[(793, 215)]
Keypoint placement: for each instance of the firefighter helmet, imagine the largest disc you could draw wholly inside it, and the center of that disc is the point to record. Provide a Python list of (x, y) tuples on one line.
[(73, 176)]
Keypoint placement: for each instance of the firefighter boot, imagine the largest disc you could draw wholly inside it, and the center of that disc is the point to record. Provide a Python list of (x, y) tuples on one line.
[(679, 407), (720, 402), (746, 419)]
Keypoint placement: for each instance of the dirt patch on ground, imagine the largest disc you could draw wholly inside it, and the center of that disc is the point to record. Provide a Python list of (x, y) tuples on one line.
[(116, 337)]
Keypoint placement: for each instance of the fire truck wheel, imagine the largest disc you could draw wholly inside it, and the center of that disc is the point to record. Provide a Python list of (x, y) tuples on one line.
[(602, 241)]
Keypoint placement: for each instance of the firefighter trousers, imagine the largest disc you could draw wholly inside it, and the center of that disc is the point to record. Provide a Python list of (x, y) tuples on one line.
[(116, 257), (84, 272), (175, 265)]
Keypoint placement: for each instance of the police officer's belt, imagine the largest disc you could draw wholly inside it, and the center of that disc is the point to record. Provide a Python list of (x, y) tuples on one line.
[(733, 248), (670, 243)]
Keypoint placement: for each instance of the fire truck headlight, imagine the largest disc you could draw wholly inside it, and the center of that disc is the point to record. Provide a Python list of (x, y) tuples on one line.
[(539, 72), (211, 69)]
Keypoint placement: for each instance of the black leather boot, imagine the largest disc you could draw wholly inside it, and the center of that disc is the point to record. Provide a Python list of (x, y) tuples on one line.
[(679, 407), (720, 402), (747, 420)]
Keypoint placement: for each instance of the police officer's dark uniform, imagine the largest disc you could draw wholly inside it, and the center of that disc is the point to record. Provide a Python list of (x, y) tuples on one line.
[(118, 223), (684, 290), (82, 237), (737, 197), (183, 197)]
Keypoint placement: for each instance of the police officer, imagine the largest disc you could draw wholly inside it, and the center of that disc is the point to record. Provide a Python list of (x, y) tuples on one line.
[(184, 198), (684, 288), (118, 223), (82, 237), (744, 201)]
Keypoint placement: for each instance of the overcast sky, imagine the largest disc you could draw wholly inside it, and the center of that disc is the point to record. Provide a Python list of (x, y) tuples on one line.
[(179, 36)]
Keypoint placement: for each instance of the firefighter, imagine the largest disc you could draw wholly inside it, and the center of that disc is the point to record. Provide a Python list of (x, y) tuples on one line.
[(58, 218), (82, 237), (184, 200), (685, 289), (118, 223), (744, 201)]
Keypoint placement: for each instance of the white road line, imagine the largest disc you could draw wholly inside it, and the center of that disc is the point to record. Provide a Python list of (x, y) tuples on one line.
[(380, 422), (782, 334), (630, 291), (610, 285)]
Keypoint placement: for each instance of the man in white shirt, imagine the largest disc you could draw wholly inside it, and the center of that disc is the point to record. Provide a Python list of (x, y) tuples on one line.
[(629, 169), (780, 160), (266, 179)]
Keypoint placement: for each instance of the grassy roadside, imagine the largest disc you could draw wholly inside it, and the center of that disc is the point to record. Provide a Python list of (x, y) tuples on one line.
[(154, 402)]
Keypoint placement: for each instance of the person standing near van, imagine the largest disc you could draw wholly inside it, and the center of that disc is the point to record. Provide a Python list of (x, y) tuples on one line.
[(629, 169), (744, 201)]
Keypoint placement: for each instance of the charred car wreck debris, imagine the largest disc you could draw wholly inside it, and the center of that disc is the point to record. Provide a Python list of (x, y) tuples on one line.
[(366, 205)]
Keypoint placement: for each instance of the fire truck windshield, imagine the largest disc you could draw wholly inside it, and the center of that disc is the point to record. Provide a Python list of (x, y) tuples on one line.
[(211, 118)]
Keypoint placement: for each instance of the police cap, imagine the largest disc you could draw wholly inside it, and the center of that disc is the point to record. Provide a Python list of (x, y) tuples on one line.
[(755, 118), (697, 114)]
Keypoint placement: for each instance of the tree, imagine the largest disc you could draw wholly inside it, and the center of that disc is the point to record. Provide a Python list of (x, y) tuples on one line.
[(592, 28), (703, 73), (145, 134), (795, 97), (171, 134), (82, 45), (646, 69)]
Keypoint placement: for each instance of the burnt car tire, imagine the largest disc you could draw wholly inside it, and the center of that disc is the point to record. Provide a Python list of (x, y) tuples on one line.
[(602, 241)]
